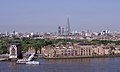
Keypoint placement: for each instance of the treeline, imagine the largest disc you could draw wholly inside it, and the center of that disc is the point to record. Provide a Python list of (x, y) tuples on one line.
[(105, 42), (39, 43)]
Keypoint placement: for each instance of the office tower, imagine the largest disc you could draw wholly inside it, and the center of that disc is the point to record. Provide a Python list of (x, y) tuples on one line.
[(13, 32), (68, 27), (63, 31), (59, 30)]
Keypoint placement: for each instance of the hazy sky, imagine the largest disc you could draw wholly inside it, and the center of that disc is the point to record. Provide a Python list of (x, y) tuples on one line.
[(47, 15)]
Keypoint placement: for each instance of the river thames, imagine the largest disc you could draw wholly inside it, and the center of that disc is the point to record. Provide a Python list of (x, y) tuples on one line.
[(66, 65)]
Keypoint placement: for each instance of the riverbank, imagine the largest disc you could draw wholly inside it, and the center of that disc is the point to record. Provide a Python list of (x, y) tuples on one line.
[(77, 57)]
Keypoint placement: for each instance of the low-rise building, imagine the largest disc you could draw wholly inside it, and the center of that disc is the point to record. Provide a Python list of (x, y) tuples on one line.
[(15, 52), (67, 51), (70, 50)]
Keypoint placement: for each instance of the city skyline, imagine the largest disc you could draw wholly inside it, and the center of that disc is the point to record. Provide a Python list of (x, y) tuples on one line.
[(46, 16)]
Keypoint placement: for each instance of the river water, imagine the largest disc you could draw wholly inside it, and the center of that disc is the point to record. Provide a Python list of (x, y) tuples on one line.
[(66, 65)]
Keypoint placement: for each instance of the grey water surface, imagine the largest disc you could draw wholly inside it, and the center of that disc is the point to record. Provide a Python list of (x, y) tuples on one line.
[(65, 65)]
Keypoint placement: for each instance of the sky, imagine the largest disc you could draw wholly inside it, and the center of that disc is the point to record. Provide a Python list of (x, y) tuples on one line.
[(47, 15)]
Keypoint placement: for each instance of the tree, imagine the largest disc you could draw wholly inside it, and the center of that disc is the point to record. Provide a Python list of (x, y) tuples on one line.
[(36, 45), (3, 46)]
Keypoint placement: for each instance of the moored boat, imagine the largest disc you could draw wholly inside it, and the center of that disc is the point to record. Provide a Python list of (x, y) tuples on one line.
[(27, 61), (32, 62), (22, 61)]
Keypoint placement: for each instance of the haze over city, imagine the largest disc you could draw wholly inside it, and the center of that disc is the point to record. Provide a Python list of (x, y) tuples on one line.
[(47, 15), (59, 35)]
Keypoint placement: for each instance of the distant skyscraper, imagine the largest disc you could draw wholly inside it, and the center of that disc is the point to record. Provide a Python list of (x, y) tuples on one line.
[(59, 30), (13, 32), (7, 33), (63, 31), (68, 27)]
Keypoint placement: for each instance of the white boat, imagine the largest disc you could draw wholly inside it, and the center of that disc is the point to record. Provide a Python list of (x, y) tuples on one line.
[(27, 61), (32, 62), (22, 61)]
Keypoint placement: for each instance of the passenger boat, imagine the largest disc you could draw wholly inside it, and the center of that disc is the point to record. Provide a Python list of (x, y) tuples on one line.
[(27, 61), (22, 61), (32, 62)]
